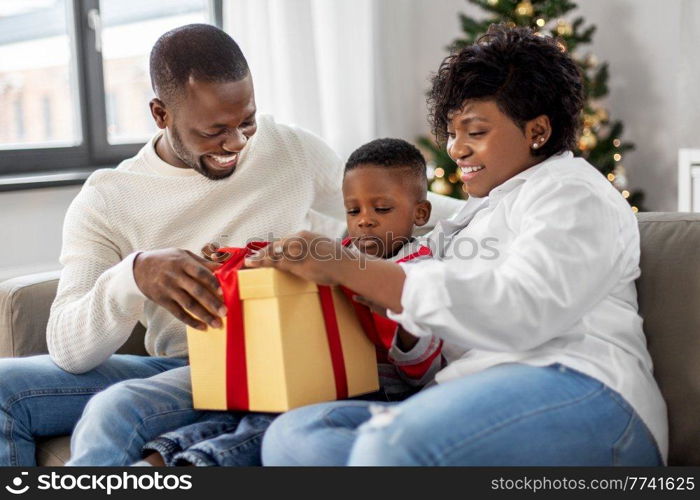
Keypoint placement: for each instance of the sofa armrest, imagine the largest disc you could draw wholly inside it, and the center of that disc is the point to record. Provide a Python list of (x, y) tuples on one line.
[(25, 302)]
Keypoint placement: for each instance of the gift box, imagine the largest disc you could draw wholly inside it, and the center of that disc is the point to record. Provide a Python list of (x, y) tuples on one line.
[(286, 342)]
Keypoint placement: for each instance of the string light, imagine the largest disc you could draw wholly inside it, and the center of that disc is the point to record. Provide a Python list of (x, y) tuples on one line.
[(625, 194), (441, 186), (591, 60), (564, 28), (439, 172), (635, 210), (525, 8), (587, 141), (611, 177), (617, 157), (453, 178), (540, 22), (617, 143)]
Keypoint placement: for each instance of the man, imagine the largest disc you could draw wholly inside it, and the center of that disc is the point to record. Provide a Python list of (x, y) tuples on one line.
[(215, 172)]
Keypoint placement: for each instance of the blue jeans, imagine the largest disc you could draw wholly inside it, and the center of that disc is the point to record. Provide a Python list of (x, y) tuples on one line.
[(215, 439), (223, 439), (510, 414), (117, 407)]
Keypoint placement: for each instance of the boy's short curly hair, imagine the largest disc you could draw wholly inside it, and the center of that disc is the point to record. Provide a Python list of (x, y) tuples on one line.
[(387, 152), (392, 154), (527, 75)]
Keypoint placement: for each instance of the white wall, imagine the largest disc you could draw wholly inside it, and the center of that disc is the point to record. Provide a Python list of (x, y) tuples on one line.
[(412, 37), (31, 223), (652, 48)]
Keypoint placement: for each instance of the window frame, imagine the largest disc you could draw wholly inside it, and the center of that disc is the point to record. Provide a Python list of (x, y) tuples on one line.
[(66, 165)]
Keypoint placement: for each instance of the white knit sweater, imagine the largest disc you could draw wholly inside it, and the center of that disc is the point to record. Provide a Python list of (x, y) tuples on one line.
[(286, 180)]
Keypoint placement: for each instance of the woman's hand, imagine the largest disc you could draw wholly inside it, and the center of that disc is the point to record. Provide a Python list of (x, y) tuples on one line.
[(308, 255), (324, 261)]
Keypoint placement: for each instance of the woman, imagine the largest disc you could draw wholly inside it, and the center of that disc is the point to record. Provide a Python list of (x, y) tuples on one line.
[(532, 292)]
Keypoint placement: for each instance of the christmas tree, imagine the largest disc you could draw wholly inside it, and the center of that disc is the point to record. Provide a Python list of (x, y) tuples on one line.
[(600, 140)]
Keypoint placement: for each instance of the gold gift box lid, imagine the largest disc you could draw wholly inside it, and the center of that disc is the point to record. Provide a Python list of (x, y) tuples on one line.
[(268, 282)]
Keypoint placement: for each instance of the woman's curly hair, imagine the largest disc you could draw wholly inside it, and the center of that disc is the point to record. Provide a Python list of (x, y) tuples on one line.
[(527, 75)]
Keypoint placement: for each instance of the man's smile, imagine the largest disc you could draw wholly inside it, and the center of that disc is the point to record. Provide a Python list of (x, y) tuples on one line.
[(223, 161)]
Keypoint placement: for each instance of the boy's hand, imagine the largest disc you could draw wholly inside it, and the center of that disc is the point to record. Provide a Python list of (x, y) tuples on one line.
[(211, 253), (374, 307), (182, 283), (404, 340)]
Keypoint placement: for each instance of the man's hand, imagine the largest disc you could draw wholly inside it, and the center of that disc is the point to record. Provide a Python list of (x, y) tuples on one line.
[(211, 252), (182, 283)]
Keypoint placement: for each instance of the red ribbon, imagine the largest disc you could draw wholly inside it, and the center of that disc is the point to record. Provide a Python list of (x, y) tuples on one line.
[(336, 347), (237, 397), (237, 369)]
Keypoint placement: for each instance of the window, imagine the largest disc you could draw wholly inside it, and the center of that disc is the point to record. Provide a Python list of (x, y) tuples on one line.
[(35, 60), (18, 134), (48, 118), (74, 83), (129, 33)]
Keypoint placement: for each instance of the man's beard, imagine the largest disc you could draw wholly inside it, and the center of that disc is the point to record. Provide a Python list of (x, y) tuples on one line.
[(191, 161)]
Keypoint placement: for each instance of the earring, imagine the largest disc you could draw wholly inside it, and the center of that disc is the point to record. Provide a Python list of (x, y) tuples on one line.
[(536, 145)]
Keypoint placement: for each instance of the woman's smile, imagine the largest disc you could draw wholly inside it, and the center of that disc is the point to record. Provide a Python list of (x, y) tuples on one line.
[(469, 172)]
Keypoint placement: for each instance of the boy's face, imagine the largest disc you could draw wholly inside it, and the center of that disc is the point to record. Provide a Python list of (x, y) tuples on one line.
[(489, 147), (382, 206)]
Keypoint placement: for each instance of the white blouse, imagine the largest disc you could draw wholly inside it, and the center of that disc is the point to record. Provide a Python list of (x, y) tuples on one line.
[(541, 271)]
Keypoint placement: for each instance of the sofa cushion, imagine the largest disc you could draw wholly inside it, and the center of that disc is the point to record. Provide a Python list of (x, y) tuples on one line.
[(25, 303), (669, 302), (24, 311)]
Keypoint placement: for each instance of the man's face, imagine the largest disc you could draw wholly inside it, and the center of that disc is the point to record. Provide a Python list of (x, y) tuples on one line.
[(209, 125), (381, 209)]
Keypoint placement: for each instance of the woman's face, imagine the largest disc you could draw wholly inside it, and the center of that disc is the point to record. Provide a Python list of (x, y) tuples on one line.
[(489, 147)]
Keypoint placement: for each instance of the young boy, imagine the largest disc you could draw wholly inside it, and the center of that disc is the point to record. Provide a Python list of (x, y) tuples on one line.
[(385, 196)]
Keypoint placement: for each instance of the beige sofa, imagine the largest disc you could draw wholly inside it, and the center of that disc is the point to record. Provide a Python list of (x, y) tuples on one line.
[(24, 312), (669, 299)]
